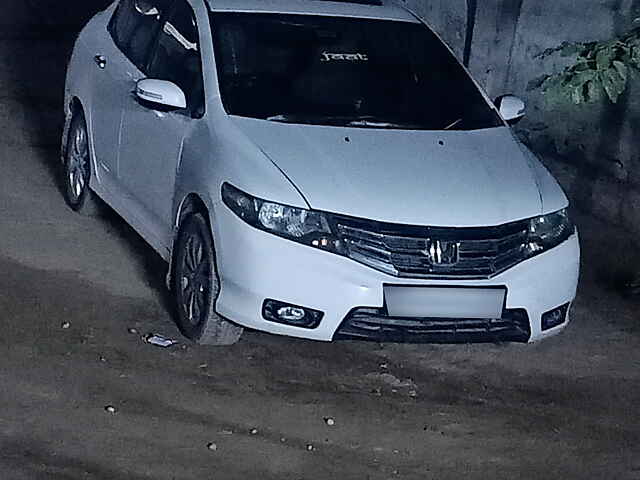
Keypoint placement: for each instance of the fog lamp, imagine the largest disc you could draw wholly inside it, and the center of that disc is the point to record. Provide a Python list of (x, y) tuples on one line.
[(290, 314), (554, 317), (297, 316)]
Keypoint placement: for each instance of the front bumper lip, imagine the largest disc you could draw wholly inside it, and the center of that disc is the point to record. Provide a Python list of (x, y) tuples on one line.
[(255, 265)]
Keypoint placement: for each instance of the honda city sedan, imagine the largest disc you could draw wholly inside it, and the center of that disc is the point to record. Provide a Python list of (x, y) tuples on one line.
[(318, 169)]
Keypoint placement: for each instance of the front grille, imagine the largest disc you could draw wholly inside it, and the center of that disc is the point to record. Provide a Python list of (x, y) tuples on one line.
[(374, 324), (407, 251)]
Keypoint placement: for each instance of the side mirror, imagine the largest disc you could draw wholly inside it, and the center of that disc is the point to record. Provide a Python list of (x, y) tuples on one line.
[(161, 93), (511, 108)]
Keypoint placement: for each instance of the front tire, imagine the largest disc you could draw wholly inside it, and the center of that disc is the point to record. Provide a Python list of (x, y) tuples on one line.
[(77, 169), (196, 286)]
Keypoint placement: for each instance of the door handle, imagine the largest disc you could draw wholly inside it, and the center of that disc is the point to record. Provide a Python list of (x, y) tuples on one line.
[(100, 60)]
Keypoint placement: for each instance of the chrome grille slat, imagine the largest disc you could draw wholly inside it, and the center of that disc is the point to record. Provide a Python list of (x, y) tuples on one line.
[(359, 233), (404, 243), (403, 250), (369, 248)]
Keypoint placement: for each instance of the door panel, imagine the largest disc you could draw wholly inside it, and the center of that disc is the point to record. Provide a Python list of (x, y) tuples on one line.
[(151, 148), (151, 139), (121, 46), (111, 80)]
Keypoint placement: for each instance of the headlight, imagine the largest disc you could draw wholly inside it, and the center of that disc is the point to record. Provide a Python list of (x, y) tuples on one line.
[(549, 231), (298, 224)]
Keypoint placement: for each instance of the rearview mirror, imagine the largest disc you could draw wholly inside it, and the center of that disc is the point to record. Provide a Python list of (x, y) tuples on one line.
[(161, 93), (511, 108)]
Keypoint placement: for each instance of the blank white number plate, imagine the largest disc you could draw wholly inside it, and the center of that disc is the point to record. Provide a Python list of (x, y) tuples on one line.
[(438, 302)]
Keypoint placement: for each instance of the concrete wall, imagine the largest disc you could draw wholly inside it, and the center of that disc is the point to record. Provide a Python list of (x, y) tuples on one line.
[(592, 149)]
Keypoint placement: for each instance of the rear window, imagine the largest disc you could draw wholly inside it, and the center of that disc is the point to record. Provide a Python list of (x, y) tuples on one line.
[(343, 71)]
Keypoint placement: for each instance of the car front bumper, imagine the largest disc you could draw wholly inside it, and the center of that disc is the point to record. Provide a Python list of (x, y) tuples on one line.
[(254, 266)]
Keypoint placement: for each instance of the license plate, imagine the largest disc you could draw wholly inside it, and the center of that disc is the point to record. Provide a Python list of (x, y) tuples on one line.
[(438, 302)]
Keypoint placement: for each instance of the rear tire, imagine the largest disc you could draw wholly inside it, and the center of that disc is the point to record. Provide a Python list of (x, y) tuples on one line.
[(196, 286), (77, 169)]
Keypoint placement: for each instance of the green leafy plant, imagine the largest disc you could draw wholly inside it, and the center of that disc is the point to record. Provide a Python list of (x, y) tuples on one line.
[(601, 70)]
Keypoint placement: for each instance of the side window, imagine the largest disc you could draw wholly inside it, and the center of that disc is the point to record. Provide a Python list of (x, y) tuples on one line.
[(134, 26), (177, 56)]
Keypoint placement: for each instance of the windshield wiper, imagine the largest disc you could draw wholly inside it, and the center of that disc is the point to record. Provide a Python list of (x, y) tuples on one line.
[(376, 123), (449, 127), (279, 118), (341, 120), (312, 118)]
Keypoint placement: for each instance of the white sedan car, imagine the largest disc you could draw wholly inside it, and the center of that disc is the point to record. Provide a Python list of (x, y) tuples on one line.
[(320, 169)]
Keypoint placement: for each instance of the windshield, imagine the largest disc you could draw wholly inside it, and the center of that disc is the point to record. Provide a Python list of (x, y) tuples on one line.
[(343, 71)]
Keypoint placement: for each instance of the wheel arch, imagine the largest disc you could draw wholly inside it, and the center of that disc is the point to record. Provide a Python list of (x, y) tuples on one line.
[(73, 106), (191, 203)]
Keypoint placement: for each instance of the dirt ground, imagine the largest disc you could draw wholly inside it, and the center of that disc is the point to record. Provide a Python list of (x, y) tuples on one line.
[(567, 408)]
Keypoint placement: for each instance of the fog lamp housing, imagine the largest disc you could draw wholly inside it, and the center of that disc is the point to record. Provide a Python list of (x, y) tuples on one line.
[(555, 317), (288, 314)]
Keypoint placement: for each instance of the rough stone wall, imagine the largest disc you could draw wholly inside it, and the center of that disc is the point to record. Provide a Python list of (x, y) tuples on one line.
[(592, 149), (447, 17)]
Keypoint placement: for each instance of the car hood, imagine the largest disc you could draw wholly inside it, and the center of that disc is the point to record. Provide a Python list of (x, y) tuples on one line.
[(444, 178)]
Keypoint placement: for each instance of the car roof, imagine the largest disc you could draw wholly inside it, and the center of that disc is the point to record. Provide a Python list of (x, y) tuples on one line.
[(378, 9)]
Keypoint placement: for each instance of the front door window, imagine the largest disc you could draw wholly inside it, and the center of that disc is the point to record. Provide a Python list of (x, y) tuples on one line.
[(176, 57)]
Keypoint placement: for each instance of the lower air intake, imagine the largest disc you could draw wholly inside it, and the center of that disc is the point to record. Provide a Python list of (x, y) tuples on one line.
[(375, 325)]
